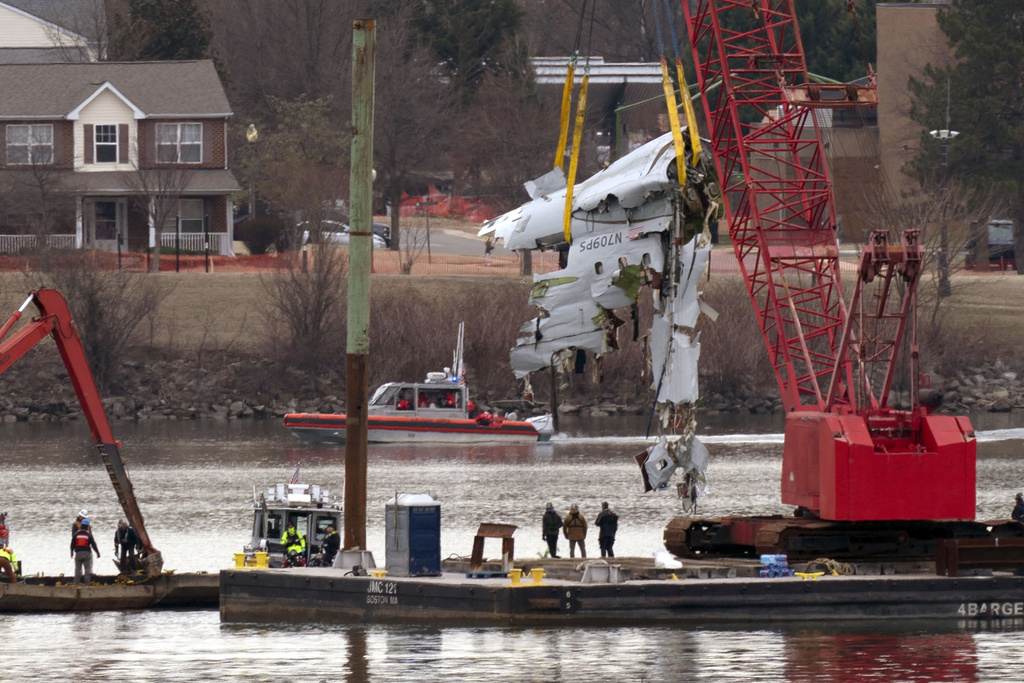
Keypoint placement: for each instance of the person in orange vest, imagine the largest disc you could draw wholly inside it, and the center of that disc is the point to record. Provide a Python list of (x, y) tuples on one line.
[(82, 545)]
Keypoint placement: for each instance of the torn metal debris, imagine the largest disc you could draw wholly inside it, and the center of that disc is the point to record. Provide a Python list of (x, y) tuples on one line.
[(632, 226)]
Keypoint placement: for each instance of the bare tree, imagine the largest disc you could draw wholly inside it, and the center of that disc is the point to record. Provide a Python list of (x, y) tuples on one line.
[(300, 164), (108, 307), (305, 312), (519, 133), (946, 218), (158, 191), (80, 30), (414, 241), (38, 199), (283, 49), (412, 116)]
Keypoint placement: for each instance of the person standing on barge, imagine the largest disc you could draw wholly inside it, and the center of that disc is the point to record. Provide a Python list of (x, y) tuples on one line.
[(551, 525), (608, 523), (82, 545), (126, 543), (1018, 508), (575, 529)]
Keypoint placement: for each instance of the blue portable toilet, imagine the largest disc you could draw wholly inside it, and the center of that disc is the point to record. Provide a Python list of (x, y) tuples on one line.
[(412, 533)]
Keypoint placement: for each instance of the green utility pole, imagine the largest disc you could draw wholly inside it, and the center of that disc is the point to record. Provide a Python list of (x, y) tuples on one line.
[(357, 357)]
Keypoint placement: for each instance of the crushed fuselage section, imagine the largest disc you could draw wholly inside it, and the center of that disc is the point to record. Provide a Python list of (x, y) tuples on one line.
[(632, 226)]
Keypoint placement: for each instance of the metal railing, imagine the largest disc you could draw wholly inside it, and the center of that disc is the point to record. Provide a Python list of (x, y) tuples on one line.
[(193, 241), (12, 244)]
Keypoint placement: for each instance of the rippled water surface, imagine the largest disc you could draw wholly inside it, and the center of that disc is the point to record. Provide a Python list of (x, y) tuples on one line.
[(195, 482)]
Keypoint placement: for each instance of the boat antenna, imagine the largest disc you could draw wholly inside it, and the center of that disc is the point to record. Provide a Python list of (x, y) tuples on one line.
[(460, 371)]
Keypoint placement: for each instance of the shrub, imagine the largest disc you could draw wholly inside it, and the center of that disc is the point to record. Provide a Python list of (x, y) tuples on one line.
[(259, 234)]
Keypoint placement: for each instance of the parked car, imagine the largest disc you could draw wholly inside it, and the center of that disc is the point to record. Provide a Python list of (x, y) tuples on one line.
[(336, 233)]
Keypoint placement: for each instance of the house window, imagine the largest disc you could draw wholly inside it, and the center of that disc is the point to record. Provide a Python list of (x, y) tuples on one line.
[(30, 144), (179, 143), (190, 211), (106, 144)]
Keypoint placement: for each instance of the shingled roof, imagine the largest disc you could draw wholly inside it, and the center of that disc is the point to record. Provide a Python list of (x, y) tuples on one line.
[(84, 17), (179, 88)]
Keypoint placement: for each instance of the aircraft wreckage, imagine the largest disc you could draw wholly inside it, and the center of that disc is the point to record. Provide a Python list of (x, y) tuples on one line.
[(632, 224)]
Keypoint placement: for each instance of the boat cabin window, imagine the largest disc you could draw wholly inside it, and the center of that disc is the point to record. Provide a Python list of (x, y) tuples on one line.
[(442, 397), (385, 396), (320, 530), (274, 528), (301, 521)]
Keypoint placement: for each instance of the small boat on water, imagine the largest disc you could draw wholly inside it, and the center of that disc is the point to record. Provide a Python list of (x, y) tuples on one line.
[(308, 506), (437, 410)]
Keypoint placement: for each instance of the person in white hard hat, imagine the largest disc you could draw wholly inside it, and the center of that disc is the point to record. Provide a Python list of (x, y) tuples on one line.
[(77, 524), (82, 546)]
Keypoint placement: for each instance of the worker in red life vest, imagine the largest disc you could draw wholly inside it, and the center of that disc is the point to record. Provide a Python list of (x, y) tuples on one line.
[(82, 545), (5, 534)]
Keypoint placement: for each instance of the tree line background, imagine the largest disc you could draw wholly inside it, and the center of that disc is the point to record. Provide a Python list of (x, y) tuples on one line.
[(456, 104)]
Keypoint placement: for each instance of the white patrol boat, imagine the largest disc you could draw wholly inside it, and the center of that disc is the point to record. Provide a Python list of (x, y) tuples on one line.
[(308, 506), (436, 410)]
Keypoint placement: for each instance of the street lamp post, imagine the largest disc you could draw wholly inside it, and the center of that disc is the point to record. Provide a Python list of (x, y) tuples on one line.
[(251, 136), (944, 135)]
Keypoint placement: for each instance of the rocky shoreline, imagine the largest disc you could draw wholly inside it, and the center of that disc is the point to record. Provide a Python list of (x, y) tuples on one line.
[(177, 389)]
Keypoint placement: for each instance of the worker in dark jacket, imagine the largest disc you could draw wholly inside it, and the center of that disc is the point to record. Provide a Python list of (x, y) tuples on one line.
[(126, 544), (608, 523), (82, 546), (1018, 508), (575, 529), (551, 525), (332, 543)]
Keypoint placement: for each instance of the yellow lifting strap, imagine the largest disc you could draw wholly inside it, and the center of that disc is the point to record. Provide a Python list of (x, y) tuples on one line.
[(574, 157), (673, 119), (563, 132), (691, 117)]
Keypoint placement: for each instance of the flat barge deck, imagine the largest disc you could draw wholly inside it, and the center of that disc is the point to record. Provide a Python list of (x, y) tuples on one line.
[(105, 593), (333, 596)]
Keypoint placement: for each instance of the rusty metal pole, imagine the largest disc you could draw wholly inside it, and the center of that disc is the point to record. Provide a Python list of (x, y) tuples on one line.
[(361, 229)]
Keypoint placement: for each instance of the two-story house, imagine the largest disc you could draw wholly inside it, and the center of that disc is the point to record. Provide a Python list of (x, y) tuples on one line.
[(113, 140), (45, 31)]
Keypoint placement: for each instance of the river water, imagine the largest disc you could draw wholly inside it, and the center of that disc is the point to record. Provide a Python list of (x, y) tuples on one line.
[(195, 481)]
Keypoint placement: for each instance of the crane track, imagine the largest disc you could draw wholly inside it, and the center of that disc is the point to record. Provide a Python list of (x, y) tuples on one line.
[(802, 538)]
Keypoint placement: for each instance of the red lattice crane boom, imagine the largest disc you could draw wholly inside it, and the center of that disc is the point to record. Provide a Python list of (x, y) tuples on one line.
[(848, 455)]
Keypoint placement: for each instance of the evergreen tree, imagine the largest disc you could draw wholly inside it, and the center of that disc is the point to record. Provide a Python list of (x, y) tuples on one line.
[(468, 37), (157, 30), (986, 102)]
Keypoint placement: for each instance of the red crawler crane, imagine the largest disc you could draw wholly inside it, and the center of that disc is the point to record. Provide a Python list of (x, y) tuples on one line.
[(849, 457)]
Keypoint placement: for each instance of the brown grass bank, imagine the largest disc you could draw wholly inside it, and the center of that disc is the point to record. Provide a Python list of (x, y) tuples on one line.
[(208, 348)]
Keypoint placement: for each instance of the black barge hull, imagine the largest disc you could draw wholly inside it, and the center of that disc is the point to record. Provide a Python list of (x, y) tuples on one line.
[(165, 591), (329, 596)]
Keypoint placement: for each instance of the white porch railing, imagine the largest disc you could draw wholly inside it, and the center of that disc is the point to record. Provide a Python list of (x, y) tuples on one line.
[(193, 241), (12, 244)]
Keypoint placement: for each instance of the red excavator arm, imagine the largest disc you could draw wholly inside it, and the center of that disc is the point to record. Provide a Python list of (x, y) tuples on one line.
[(54, 320)]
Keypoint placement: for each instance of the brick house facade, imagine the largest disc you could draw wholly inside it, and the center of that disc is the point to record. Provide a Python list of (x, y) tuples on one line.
[(94, 155)]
